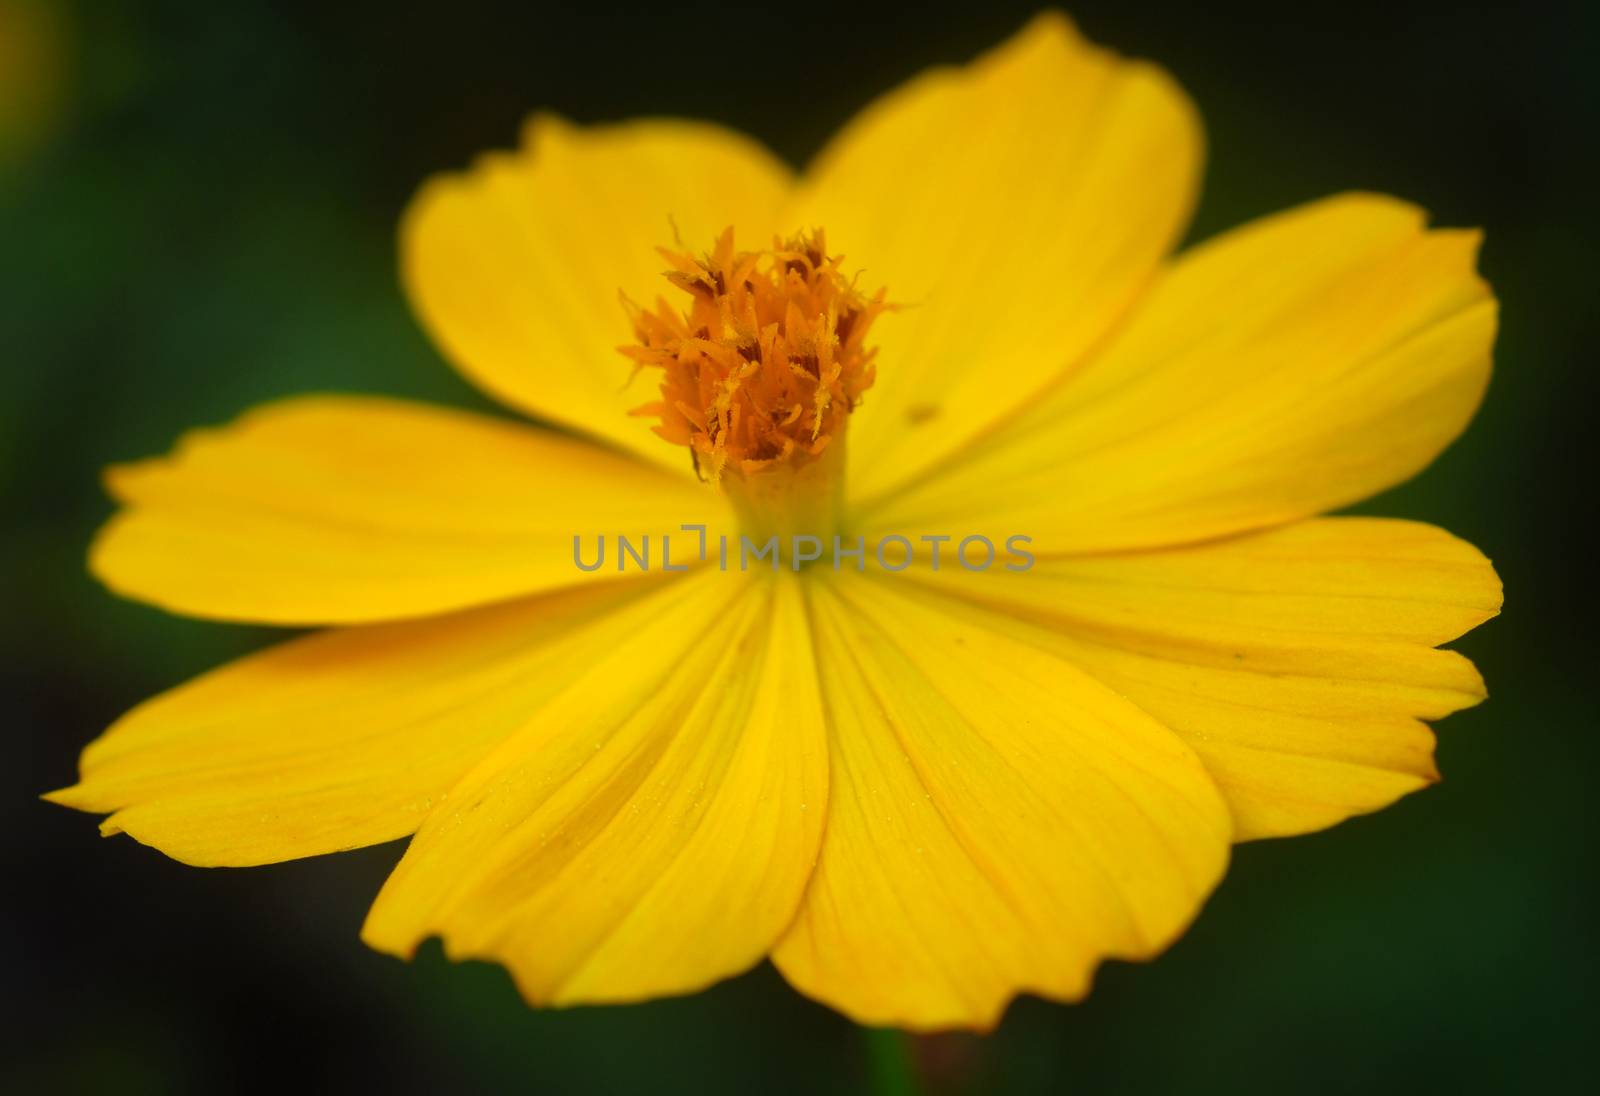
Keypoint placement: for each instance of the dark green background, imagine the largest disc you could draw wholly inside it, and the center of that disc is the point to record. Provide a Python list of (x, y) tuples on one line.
[(209, 223)]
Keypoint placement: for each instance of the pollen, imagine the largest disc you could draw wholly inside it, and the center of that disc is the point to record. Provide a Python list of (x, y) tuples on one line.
[(764, 366)]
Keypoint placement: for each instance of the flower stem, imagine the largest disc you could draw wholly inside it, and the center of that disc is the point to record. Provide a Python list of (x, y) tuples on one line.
[(891, 1071)]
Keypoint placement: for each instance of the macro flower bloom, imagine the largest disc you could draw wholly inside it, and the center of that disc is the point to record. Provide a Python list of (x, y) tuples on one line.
[(919, 791)]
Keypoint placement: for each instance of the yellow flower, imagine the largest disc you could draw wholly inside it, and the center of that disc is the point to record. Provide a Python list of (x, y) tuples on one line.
[(920, 791)]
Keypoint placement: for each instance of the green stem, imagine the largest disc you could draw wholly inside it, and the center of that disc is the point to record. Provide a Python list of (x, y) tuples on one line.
[(891, 1070)]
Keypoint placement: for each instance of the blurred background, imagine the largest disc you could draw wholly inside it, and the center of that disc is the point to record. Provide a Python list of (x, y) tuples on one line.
[(197, 204)]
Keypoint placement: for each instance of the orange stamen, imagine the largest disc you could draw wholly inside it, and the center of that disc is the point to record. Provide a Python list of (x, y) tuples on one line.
[(768, 360)]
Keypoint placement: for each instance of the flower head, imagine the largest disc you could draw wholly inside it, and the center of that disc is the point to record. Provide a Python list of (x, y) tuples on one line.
[(919, 789)]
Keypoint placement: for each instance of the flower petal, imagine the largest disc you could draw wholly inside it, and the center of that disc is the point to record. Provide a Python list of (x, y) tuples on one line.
[(1289, 367), (651, 832), (998, 821), (348, 737), (1298, 663), (1017, 207), (341, 509), (515, 266)]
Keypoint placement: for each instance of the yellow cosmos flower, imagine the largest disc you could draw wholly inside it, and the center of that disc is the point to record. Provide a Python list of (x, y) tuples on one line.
[(918, 791)]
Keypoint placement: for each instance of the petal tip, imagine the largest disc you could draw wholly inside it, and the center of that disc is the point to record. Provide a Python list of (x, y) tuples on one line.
[(69, 796)]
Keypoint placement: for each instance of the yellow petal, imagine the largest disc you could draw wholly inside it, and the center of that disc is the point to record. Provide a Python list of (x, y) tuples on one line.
[(340, 509), (1290, 367), (515, 266), (348, 737), (652, 830), (1017, 207), (998, 822), (1298, 663)]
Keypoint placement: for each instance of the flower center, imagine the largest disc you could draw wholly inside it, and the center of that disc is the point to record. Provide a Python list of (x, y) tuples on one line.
[(760, 372)]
